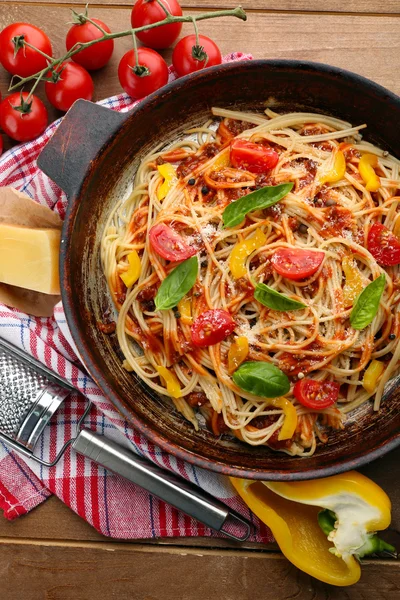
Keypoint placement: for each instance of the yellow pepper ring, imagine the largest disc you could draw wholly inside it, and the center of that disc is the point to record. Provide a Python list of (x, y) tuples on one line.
[(130, 276), (170, 178), (237, 353), (366, 166), (338, 170), (172, 383), (242, 250)]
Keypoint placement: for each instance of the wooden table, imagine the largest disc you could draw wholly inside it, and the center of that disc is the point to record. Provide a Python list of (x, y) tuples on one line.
[(52, 554)]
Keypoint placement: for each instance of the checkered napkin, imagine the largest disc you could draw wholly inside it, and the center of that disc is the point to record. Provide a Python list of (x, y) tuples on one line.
[(114, 506)]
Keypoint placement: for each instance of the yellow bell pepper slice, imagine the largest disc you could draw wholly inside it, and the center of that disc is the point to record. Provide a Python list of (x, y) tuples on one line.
[(290, 423), (372, 374), (185, 309), (237, 353), (242, 250), (354, 281), (222, 160), (170, 178), (171, 381), (296, 530), (338, 170), (132, 274), (366, 166)]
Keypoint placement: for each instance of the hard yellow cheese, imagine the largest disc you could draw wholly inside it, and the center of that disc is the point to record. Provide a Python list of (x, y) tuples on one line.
[(29, 258)]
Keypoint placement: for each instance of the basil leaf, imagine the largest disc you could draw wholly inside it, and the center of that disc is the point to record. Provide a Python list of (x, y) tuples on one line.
[(273, 299), (235, 212), (367, 303), (261, 379), (177, 284)]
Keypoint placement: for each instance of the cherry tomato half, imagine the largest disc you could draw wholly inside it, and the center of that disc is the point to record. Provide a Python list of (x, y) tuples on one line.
[(296, 263), (188, 58), (154, 75), (255, 158), (146, 12), (383, 245), (212, 327), (316, 394), (169, 244), (96, 56), (25, 61), (19, 125), (71, 82)]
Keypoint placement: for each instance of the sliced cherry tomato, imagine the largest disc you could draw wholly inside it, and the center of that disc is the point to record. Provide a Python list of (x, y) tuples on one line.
[(212, 327), (169, 244), (146, 12), (149, 76), (187, 57), (96, 56), (255, 158), (383, 245), (21, 120), (19, 59), (69, 82), (316, 394), (296, 263)]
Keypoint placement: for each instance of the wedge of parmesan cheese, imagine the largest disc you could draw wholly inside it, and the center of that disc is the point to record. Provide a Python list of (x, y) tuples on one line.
[(29, 258)]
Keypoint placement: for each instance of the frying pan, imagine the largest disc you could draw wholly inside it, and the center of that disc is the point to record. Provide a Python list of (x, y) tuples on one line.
[(89, 156)]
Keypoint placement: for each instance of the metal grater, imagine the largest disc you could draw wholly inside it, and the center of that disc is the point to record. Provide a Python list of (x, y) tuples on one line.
[(30, 394)]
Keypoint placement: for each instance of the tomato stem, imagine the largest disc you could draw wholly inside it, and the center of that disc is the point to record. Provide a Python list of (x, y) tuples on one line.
[(165, 9), (23, 43), (237, 12)]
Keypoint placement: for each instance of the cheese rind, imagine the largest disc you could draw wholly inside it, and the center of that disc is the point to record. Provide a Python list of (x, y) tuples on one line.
[(29, 258)]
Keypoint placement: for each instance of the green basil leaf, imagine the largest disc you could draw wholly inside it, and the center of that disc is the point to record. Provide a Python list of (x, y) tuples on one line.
[(261, 379), (273, 299), (236, 211), (177, 284), (367, 303)]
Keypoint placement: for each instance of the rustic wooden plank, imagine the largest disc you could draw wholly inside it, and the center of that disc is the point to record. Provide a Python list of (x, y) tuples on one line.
[(82, 571), (330, 6)]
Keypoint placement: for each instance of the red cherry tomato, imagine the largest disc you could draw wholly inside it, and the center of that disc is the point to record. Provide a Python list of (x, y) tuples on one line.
[(146, 12), (212, 327), (154, 76), (169, 244), (316, 394), (71, 82), (184, 54), (255, 158), (383, 245), (96, 56), (296, 263), (25, 61), (23, 121)]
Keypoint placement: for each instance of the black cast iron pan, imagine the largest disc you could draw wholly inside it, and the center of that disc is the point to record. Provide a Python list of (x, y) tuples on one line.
[(87, 156)]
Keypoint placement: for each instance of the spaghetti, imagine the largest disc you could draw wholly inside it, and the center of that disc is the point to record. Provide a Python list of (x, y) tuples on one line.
[(330, 209)]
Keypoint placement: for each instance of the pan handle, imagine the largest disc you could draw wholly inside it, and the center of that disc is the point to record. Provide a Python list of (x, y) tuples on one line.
[(84, 130), (167, 486)]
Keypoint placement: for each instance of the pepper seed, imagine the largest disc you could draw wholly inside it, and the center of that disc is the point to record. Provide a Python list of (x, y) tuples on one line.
[(204, 190), (392, 336), (192, 181)]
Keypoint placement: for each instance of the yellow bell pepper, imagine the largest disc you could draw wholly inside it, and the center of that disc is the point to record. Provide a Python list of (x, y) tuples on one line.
[(237, 353), (354, 281), (222, 160), (242, 250), (171, 381), (290, 423), (372, 374), (170, 178), (338, 170), (290, 509), (366, 166), (132, 274), (185, 309)]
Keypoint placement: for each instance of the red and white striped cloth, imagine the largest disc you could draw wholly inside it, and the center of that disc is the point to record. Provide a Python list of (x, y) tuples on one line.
[(114, 506)]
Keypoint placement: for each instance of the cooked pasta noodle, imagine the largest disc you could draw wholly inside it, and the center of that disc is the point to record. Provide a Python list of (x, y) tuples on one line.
[(316, 341)]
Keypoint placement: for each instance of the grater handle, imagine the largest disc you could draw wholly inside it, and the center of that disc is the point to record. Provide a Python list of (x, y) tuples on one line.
[(170, 488)]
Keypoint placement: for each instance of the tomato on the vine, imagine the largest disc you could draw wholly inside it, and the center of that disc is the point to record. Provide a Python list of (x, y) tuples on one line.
[(68, 82), (148, 76), (146, 12), (16, 57), (95, 56), (189, 57), (22, 120)]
